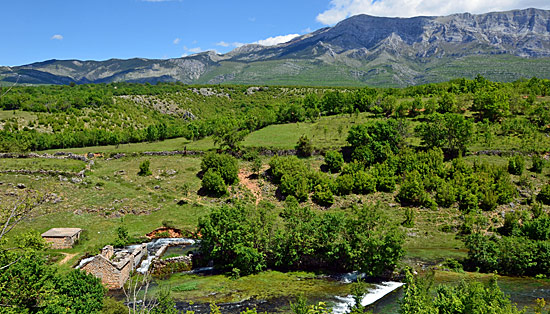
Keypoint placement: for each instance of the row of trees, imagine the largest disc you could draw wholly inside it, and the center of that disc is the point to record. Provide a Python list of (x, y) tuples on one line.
[(244, 241)]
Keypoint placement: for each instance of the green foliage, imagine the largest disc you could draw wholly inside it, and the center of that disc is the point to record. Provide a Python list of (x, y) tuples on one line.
[(411, 192), (291, 165), (334, 161), (448, 131), (492, 105), (213, 183), (544, 194), (228, 134), (235, 237), (122, 237), (516, 165), (225, 165), (364, 183), (304, 147), (374, 142), (144, 168), (409, 218), (228, 238), (445, 195), (322, 195), (30, 286), (538, 164), (296, 186), (164, 303), (112, 306), (466, 297)]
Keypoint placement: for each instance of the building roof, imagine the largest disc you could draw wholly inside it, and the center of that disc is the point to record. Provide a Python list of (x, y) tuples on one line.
[(61, 232)]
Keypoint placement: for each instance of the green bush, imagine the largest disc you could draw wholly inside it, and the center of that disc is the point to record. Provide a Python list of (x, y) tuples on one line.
[(291, 165), (489, 200), (544, 195), (538, 164), (304, 147), (144, 169), (225, 165), (345, 184), (213, 183), (296, 186), (505, 190), (364, 183), (445, 195), (322, 195), (412, 191), (516, 165), (334, 161)]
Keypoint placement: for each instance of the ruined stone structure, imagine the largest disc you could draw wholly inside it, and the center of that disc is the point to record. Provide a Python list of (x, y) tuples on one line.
[(115, 268), (62, 238)]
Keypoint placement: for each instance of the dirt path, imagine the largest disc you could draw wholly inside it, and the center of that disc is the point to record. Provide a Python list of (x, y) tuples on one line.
[(252, 185), (66, 258)]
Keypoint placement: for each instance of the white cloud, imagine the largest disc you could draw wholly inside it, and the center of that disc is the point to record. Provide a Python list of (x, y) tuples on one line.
[(271, 41), (233, 44), (57, 37), (341, 9), (176, 41), (195, 50)]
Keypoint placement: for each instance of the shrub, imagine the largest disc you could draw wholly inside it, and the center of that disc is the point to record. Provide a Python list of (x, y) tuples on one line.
[(365, 183), (468, 203), (538, 164), (279, 166), (144, 169), (516, 165), (225, 165), (345, 184), (505, 190), (445, 195), (304, 147), (334, 161), (544, 195), (213, 183), (295, 185), (412, 191), (489, 200), (322, 195)]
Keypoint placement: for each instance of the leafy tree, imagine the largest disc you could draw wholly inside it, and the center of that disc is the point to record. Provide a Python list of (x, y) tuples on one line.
[(448, 131), (228, 134), (213, 183), (225, 165), (492, 105), (144, 168)]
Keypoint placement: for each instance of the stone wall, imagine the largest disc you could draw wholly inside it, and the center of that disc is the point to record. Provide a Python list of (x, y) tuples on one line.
[(60, 243), (111, 276)]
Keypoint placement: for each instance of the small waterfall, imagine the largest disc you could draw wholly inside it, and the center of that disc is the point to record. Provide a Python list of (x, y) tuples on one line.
[(380, 291), (84, 262)]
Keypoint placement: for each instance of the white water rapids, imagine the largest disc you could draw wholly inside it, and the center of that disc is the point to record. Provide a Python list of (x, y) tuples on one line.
[(381, 290)]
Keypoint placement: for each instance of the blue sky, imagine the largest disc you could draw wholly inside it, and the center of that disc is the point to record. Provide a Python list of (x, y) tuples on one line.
[(37, 30)]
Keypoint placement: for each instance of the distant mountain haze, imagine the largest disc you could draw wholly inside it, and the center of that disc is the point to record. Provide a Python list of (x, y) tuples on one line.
[(360, 50)]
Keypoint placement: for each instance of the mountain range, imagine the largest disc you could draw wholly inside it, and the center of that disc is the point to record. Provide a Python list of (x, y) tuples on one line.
[(360, 50)]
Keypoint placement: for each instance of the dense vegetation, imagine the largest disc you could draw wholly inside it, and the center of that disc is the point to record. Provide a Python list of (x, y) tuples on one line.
[(245, 240)]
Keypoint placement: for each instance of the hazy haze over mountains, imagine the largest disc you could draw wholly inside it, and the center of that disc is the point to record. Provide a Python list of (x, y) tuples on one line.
[(361, 49)]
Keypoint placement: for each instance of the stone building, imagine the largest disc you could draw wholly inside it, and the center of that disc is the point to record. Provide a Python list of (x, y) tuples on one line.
[(112, 268), (62, 238)]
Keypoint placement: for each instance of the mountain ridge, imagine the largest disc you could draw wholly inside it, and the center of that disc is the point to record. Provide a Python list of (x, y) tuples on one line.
[(358, 50)]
